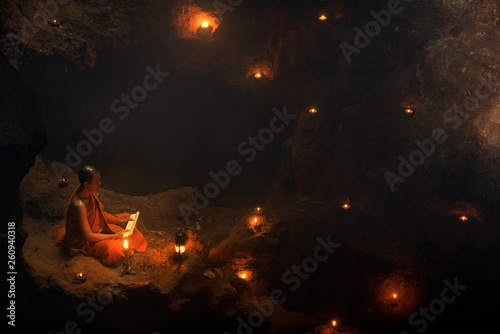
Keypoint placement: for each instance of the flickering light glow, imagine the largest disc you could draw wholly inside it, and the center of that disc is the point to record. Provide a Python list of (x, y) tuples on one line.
[(464, 218), (81, 277), (334, 323), (313, 111), (409, 111), (244, 274), (180, 249), (322, 17), (258, 75), (125, 244), (346, 206), (257, 210), (205, 24), (394, 295)]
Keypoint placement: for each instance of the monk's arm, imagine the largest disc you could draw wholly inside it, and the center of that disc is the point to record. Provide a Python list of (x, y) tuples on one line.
[(85, 227), (120, 219)]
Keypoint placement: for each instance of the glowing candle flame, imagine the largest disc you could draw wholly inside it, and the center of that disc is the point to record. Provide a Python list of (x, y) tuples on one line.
[(125, 244), (464, 218), (204, 24), (346, 206), (409, 111), (313, 111), (243, 275), (258, 75), (394, 295), (322, 17)]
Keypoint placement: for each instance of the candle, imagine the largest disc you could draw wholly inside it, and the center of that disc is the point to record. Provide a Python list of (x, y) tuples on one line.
[(322, 17), (313, 111), (258, 75), (409, 111), (394, 295), (464, 218), (126, 262), (346, 206), (204, 24), (81, 277), (334, 323)]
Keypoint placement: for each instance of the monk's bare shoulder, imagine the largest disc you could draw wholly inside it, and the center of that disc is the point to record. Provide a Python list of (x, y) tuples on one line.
[(76, 204)]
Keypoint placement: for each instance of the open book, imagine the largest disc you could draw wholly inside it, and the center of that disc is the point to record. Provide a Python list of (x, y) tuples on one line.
[(131, 224)]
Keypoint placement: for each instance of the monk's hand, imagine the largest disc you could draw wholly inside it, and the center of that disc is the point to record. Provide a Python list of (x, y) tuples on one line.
[(120, 234), (124, 221)]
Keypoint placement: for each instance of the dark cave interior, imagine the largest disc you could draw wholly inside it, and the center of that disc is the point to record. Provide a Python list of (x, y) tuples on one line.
[(372, 125)]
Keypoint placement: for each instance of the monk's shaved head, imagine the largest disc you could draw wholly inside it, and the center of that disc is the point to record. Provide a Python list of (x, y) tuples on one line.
[(87, 173)]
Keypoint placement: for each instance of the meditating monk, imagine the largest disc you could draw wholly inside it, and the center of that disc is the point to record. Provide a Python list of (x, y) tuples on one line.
[(91, 230)]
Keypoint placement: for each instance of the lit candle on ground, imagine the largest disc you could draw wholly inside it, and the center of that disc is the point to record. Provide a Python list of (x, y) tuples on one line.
[(313, 111), (464, 218), (394, 295), (126, 262), (409, 111), (204, 24), (322, 17), (346, 206), (258, 75), (334, 323), (257, 210)]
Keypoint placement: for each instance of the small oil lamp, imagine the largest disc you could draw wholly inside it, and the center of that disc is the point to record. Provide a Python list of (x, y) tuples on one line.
[(81, 278), (464, 218), (258, 210), (258, 75), (63, 183), (180, 243), (54, 23), (244, 274), (312, 111), (322, 17), (394, 304), (347, 204)]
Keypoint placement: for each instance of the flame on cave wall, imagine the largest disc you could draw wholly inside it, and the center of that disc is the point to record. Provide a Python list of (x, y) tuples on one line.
[(189, 17)]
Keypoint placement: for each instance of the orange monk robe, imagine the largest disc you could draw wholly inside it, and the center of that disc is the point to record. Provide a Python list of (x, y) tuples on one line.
[(109, 251)]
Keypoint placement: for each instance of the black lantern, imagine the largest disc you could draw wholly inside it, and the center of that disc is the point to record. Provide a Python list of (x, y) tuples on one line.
[(180, 243)]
